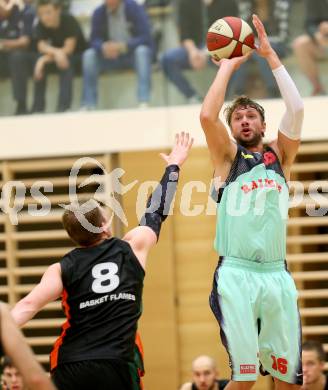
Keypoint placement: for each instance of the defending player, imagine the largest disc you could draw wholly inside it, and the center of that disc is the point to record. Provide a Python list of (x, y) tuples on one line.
[(254, 297), (101, 285)]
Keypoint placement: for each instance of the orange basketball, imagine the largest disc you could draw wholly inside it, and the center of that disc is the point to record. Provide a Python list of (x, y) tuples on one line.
[(229, 37)]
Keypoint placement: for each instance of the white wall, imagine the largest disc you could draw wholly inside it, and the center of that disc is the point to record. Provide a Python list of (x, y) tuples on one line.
[(122, 130)]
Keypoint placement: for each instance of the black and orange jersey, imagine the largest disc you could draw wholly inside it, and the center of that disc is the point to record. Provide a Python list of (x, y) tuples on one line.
[(102, 300), (139, 360)]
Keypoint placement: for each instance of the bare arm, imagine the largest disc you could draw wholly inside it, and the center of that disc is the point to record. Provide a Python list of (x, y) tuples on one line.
[(49, 289), (220, 145), (16, 348)]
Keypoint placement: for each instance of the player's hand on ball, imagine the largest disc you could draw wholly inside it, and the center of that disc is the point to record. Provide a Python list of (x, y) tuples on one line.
[(180, 150), (233, 62), (264, 48)]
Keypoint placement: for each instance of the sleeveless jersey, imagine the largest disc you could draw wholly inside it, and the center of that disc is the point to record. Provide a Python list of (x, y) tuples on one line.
[(252, 208), (102, 301)]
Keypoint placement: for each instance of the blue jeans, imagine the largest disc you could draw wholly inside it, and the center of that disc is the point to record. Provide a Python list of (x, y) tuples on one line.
[(93, 63), (173, 63), (238, 80)]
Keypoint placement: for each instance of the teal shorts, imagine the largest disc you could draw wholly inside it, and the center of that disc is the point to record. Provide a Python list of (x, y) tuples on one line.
[(256, 307)]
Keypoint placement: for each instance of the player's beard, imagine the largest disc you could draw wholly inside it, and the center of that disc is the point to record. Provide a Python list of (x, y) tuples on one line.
[(249, 143)]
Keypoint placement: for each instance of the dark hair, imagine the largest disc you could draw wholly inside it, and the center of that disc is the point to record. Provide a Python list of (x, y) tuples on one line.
[(313, 345), (93, 213), (6, 362), (55, 3), (242, 101)]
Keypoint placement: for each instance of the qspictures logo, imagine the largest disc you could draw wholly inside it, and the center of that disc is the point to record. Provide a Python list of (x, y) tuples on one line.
[(111, 188)]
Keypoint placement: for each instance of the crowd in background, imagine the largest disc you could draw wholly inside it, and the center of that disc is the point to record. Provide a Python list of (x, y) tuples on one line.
[(41, 37)]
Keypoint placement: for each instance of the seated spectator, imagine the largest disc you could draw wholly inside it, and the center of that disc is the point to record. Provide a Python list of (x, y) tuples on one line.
[(193, 23), (312, 47), (275, 16), (204, 375), (23, 361), (60, 42), (11, 377), (120, 38), (313, 362), (16, 20)]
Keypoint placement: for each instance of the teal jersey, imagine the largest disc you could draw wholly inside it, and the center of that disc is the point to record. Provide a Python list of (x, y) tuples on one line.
[(252, 208)]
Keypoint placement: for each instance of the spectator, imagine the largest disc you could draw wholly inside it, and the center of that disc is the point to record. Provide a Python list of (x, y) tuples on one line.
[(60, 42), (16, 20), (16, 348), (193, 24), (11, 377), (204, 375), (312, 47), (313, 362), (120, 38), (275, 15)]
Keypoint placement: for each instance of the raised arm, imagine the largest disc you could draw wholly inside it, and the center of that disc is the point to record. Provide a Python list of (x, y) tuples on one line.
[(145, 236), (222, 148), (291, 124), (49, 289)]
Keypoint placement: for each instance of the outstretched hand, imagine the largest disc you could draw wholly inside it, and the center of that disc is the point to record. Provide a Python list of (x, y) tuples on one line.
[(264, 47), (180, 150)]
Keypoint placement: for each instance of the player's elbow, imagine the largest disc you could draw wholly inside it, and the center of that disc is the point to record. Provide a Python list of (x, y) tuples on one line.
[(206, 119)]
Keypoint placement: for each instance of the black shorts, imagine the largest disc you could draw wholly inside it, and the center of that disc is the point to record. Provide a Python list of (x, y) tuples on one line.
[(95, 375)]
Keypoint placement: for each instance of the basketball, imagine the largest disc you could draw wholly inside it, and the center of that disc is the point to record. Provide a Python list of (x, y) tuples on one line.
[(229, 37)]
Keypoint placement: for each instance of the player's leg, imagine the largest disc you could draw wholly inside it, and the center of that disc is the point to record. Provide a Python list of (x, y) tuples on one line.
[(280, 385), (280, 331), (234, 303)]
